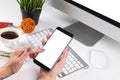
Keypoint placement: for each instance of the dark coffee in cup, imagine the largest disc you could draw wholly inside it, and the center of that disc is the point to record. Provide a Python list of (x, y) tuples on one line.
[(9, 35)]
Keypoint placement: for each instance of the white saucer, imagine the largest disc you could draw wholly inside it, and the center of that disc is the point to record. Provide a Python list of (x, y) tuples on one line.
[(3, 48)]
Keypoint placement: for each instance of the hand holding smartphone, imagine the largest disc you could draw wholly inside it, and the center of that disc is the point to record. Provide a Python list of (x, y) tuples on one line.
[(54, 47)]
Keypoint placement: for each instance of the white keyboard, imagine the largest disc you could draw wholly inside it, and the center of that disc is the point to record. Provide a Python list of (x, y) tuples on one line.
[(73, 61)]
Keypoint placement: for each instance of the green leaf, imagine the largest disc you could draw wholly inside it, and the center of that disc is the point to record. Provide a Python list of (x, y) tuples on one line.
[(31, 5), (36, 9)]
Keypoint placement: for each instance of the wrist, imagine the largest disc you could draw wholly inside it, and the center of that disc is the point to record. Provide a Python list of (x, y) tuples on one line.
[(46, 78), (4, 72)]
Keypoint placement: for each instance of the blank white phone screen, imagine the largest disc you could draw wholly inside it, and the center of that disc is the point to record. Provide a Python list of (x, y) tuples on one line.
[(53, 48)]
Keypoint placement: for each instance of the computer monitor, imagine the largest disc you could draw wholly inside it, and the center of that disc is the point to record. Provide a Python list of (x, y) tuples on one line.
[(96, 17)]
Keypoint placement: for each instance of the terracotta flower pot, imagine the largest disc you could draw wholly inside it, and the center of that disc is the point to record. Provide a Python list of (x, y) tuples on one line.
[(35, 15)]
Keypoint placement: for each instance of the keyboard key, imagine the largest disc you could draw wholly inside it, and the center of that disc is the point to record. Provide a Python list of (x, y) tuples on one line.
[(77, 66), (64, 71)]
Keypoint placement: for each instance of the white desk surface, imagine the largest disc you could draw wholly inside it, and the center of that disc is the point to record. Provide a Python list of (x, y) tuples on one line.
[(51, 17)]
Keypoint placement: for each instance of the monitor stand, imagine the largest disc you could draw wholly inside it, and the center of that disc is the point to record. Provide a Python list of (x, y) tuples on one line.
[(84, 33)]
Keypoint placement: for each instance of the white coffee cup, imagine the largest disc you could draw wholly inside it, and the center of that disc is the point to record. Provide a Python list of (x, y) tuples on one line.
[(11, 37)]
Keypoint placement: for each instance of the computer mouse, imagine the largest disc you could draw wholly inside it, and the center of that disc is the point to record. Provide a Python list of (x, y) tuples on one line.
[(97, 58)]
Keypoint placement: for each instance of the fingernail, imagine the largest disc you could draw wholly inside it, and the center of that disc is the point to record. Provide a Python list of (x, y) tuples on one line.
[(28, 49), (43, 49), (68, 48)]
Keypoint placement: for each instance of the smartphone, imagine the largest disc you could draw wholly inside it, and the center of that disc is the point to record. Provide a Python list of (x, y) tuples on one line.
[(54, 47)]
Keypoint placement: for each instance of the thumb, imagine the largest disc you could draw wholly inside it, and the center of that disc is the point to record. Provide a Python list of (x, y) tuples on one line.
[(34, 51)]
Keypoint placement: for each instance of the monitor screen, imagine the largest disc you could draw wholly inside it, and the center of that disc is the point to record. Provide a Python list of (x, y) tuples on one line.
[(99, 15), (104, 9)]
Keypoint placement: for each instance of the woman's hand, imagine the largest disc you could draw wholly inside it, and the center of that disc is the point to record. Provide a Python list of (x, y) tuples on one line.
[(15, 62), (34, 52), (51, 75)]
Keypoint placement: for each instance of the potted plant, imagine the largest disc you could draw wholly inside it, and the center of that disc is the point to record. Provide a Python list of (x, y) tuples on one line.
[(31, 8)]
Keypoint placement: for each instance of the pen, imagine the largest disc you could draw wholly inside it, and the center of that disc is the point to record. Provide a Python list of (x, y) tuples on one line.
[(5, 55)]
